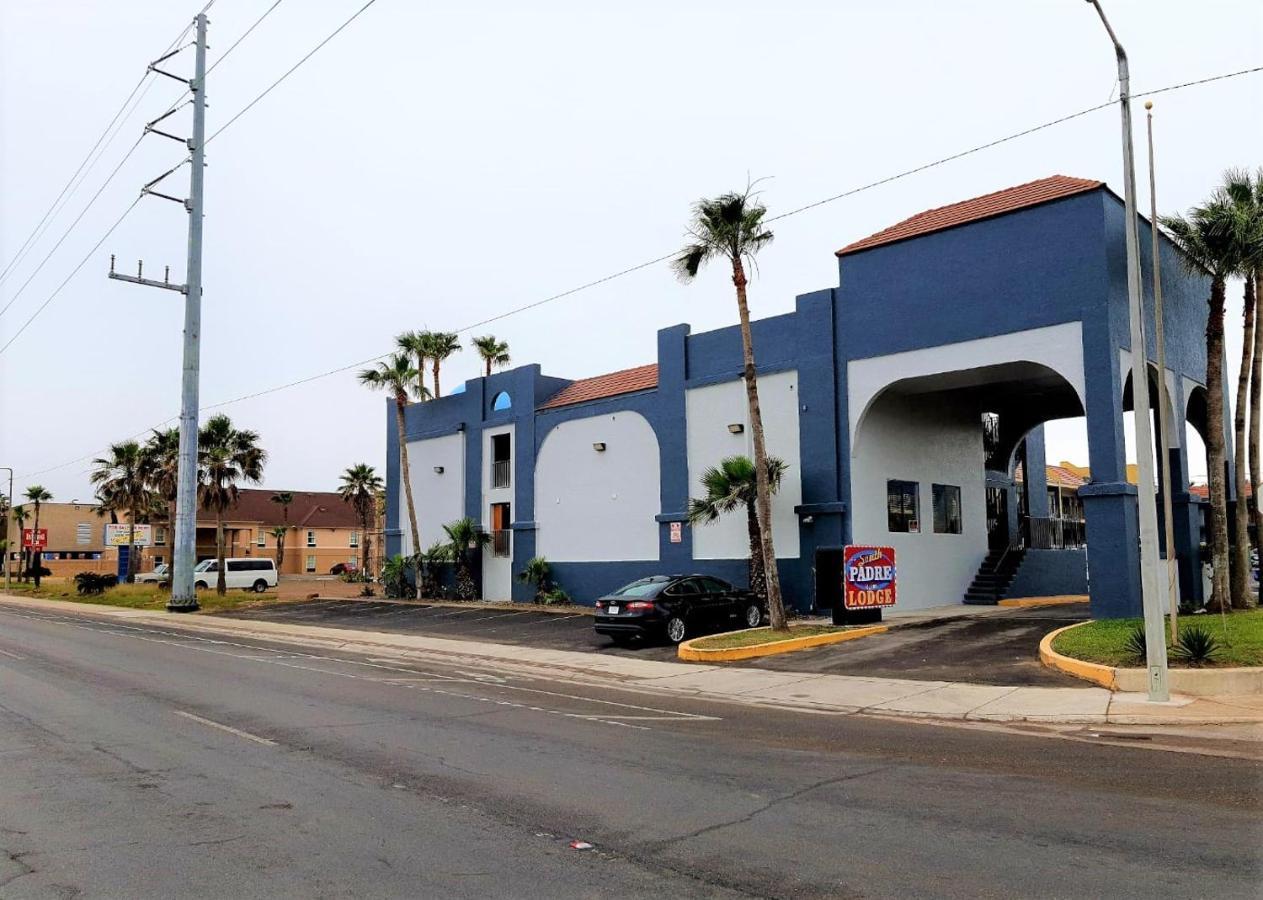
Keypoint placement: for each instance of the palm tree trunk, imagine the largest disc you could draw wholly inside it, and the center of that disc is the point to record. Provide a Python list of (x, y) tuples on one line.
[(1256, 392), (407, 493), (280, 554), (488, 359), (1216, 463), (763, 493), (221, 583), (437, 392), (1240, 565), (758, 578)]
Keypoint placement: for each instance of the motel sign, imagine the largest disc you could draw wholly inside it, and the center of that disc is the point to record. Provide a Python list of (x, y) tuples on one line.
[(868, 577)]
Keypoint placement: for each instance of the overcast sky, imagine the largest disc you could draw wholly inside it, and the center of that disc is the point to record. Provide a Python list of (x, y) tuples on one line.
[(436, 165)]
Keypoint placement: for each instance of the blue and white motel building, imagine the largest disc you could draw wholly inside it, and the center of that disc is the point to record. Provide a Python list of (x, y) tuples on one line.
[(904, 400)]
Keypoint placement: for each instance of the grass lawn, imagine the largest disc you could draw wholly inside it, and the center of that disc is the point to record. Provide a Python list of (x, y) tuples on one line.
[(137, 596), (1239, 633), (766, 636)]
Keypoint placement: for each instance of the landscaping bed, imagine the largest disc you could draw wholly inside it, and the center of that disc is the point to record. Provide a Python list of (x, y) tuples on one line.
[(1238, 636), (752, 636), (137, 596)]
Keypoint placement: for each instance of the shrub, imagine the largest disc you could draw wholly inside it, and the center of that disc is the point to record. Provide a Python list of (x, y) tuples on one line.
[(1136, 644), (368, 591), (44, 572), (1196, 646), (538, 572), (553, 597), (90, 583), (395, 576)]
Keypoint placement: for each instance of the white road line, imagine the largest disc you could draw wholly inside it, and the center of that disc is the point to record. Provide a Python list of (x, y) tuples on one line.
[(549, 618), (11, 655), (228, 728), (499, 615)]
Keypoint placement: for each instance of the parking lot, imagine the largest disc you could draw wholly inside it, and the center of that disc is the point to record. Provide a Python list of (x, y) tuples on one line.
[(1000, 647)]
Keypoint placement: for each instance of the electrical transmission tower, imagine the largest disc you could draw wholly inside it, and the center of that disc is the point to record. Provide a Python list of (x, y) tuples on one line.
[(183, 595)]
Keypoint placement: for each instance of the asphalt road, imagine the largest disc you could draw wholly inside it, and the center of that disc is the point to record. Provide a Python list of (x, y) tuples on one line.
[(137, 761)]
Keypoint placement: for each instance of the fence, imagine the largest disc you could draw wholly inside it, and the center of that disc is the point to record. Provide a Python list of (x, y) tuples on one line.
[(500, 542), (500, 470), (1055, 534)]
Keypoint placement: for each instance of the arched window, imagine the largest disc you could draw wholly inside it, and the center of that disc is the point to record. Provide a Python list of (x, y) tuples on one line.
[(501, 402)]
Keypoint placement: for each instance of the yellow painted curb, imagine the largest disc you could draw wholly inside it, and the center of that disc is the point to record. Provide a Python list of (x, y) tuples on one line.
[(1063, 600), (688, 652), (1105, 676)]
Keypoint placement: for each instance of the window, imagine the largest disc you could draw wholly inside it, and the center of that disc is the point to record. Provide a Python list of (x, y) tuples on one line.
[(158, 560), (501, 460), (903, 507), (311, 562), (501, 402), (354, 560), (83, 533), (355, 538), (160, 535), (311, 538), (946, 509), (262, 537)]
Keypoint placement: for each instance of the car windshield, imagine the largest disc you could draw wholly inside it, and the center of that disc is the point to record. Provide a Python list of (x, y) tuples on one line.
[(161, 570), (645, 587), (205, 565)]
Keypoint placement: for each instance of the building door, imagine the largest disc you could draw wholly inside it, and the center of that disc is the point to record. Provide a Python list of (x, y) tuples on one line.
[(828, 578), (497, 556), (997, 518)]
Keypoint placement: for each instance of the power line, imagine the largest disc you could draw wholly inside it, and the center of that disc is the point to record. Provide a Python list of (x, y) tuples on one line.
[(223, 56), (660, 259)]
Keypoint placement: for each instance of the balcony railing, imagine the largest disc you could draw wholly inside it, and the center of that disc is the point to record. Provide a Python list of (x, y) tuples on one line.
[(500, 473), (501, 543), (1055, 534)]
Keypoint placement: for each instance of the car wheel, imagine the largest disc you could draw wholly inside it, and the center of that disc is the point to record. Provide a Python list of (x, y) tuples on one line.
[(677, 629), (260, 586), (201, 586), (753, 615)]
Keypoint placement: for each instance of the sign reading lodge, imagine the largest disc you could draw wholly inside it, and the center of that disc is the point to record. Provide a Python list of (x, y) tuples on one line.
[(868, 577)]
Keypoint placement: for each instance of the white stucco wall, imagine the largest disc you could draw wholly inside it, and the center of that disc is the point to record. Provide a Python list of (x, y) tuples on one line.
[(1059, 347), (709, 411), (922, 439), (439, 498), (594, 506), (497, 571)]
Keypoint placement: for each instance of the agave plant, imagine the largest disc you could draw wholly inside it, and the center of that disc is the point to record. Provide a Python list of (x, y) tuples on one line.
[(1196, 646), (1136, 644)]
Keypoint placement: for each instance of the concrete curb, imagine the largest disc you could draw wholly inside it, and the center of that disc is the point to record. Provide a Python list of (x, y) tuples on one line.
[(1208, 682), (1035, 602), (507, 605), (691, 653)]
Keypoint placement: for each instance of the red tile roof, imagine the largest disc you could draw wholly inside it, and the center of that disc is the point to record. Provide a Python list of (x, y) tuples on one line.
[(626, 381), (310, 509), (985, 207)]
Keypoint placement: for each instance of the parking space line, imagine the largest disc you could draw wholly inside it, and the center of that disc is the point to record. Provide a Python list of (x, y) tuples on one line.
[(550, 617), (501, 615)]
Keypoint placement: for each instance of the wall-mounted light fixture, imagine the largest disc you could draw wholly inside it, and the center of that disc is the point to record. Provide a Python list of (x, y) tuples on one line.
[(599, 446), (438, 470), (736, 428)]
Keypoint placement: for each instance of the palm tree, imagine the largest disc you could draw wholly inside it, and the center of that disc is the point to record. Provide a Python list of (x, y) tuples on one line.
[(283, 499), (119, 479), (730, 227), (439, 346), (226, 455), (37, 494), (731, 486), (279, 532), (397, 377), (417, 343), (464, 536), (360, 486), (160, 466), (1208, 248), (493, 352), (19, 519)]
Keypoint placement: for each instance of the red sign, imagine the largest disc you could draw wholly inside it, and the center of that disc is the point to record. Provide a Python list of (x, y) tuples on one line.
[(868, 577), (33, 540), (677, 532)]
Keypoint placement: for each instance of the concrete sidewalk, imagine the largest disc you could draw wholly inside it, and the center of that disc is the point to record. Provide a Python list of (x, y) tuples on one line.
[(822, 693)]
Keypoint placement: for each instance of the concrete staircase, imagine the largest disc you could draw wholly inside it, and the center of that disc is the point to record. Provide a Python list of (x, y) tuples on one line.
[(994, 576)]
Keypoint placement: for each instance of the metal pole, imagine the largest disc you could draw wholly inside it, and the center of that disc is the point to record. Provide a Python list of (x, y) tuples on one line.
[(183, 594), (1155, 637), (8, 527), (1164, 413)]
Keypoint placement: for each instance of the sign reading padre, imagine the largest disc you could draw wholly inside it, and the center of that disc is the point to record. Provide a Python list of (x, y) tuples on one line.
[(868, 577)]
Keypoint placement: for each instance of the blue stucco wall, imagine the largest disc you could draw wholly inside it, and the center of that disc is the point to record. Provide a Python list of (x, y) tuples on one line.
[(1050, 573)]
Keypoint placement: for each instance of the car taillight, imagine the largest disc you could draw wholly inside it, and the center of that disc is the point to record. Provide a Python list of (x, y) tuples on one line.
[(640, 604), (600, 604)]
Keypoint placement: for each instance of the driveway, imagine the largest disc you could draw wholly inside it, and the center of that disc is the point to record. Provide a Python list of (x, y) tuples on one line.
[(998, 648), (524, 627)]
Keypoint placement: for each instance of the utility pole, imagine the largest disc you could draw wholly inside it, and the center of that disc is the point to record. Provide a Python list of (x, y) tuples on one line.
[(8, 525), (183, 594), (1164, 414), (1155, 636)]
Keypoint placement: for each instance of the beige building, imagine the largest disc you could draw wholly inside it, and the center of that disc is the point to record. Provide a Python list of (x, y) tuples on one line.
[(76, 540)]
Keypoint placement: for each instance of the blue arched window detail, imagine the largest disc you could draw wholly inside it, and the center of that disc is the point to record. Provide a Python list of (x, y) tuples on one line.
[(501, 402), (459, 389)]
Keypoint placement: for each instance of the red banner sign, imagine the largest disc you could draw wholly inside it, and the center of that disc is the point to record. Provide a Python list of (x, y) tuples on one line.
[(868, 577), (33, 540)]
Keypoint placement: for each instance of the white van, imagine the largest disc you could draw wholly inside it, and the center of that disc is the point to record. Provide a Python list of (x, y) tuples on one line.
[(246, 573)]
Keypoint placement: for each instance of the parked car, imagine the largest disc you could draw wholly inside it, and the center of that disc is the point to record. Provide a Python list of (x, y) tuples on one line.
[(248, 574), (344, 568), (675, 607), (160, 574)]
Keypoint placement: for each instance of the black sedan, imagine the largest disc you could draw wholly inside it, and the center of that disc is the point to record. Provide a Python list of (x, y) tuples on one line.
[(675, 607)]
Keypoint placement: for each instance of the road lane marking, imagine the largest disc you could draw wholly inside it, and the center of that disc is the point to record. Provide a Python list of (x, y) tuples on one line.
[(11, 655), (553, 617), (228, 728)]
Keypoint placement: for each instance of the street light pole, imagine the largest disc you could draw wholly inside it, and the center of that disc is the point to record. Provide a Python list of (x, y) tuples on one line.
[(1155, 637), (1164, 416)]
